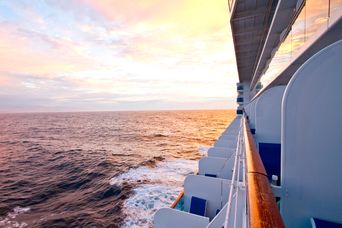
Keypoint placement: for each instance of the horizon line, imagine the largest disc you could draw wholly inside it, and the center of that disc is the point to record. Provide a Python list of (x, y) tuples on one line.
[(140, 110)]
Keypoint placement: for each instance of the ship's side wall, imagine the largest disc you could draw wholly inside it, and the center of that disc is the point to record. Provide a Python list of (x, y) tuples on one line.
[(267, 115), (311, 141), (250, 111)]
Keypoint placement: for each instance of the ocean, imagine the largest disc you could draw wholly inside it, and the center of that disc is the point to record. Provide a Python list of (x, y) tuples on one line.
[(99, 169)]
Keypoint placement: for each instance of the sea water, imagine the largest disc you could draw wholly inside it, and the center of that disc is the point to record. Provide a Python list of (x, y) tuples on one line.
[(99, 169)]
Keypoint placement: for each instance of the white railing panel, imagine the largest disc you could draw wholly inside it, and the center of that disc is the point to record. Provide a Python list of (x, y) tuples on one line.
[(170, 218)]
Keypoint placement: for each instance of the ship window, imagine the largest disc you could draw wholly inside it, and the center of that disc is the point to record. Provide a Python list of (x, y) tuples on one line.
[(335, 8), (314, 15), (279, 61), (298, 31)]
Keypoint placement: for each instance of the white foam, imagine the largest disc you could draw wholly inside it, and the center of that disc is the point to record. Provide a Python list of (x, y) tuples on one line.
[(147, 199), (161, 185), (203, 150), (167, 172), (9, 220)]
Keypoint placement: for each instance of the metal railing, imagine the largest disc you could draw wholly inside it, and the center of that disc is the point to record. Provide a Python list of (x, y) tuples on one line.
[(262, 210), (249, 174), (231, 4), (239, 163)]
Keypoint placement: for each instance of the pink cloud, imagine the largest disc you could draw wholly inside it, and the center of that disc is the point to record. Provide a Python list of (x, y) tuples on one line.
[(134, 49), (23, 51)]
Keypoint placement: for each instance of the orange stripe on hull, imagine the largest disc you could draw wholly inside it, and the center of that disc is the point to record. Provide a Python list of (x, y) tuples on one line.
[(174, 204)]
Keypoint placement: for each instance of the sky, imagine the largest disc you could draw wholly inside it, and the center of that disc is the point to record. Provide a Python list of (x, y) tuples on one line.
[(109, 55)]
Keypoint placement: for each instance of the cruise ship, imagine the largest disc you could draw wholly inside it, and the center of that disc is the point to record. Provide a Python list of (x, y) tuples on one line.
[(278, 164)]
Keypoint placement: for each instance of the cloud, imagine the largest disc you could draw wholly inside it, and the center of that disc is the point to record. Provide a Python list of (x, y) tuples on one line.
[(94, 55)]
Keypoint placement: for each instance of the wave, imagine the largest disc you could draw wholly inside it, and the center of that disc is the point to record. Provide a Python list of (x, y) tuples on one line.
[(203, 149), (59, 165), (9, 220), (155, 187), (145, 201), (159, 135)]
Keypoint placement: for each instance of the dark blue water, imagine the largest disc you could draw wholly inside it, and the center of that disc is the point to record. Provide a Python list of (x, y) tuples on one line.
[(99, 169)]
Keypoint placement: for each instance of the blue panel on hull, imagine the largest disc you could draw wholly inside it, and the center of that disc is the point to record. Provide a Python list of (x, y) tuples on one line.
[(198, 206), (210, 175), (319, 223), (270, 156), (239, 112)]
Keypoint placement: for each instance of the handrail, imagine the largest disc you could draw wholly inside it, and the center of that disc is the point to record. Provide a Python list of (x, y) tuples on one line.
[(179, 197), (262, 207)]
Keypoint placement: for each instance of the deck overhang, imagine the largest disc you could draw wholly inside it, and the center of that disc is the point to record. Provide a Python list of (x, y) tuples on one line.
[(250, 20)]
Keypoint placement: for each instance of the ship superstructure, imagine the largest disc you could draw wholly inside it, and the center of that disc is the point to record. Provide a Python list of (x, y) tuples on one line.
[(279, 162)]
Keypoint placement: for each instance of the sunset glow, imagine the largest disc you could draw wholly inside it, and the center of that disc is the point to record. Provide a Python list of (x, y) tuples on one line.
[(115, 55)]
